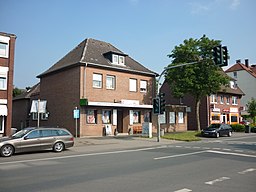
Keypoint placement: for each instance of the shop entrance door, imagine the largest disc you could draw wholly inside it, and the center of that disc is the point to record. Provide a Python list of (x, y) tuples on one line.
[(223, 118), (120, 121)]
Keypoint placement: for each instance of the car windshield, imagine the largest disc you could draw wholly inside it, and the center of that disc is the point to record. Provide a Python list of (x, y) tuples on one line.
[(21, 133), (214, 126)]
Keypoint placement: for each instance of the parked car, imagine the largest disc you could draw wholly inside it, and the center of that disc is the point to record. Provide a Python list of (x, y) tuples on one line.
[(36, 139), (217, 130)]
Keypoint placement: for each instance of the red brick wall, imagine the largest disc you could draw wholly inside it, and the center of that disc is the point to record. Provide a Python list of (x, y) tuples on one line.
[(61, 90), (9, 62)]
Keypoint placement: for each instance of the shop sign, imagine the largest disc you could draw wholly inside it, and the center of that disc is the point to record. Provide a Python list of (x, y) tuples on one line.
[(225, 110), (216, 109), (233, 110)]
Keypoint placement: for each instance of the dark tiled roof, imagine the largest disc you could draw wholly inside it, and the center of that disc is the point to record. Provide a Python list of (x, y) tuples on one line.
[(92, 53), (240, 67), (26, 95), (228, 89)]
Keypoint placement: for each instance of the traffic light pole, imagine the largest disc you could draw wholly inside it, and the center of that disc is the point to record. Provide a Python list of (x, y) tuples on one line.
[(158, 91)]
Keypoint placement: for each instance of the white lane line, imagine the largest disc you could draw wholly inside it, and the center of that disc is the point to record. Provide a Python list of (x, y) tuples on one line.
[(82, 155), (179, 155), (183, 190), (216, 180), (230, 153), (247, 171)]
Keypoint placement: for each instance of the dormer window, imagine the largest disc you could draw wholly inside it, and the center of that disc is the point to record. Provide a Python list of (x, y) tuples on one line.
[(232, 85), (118, 59)]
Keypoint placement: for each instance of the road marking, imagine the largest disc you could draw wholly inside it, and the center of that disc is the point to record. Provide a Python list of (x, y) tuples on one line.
[(247, 171), (183, 190), (82, 155), (230, 153), (179, 155), (217, 180)]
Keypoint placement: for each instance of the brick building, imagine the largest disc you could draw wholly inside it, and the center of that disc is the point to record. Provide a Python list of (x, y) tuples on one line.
[(7, 47), (109, 88), (224, 106)]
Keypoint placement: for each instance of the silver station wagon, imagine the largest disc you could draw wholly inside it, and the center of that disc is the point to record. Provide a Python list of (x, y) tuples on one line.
[(36, 139)]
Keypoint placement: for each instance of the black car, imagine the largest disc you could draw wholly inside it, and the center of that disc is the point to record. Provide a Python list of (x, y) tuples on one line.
[(217, 130)]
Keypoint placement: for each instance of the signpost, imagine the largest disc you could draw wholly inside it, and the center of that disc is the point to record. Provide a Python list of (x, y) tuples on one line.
[(38, 106), (76, 114)]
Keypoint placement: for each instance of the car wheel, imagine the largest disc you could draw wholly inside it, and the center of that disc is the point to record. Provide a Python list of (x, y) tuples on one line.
[(7, 150), (58, 147), (229, 133), (217, 135)]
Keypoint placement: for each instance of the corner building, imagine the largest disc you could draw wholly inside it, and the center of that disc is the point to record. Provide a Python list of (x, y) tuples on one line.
[(112, 91)]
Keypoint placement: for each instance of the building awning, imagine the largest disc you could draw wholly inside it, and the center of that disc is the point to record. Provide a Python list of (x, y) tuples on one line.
[(3, 110), (108, 104)]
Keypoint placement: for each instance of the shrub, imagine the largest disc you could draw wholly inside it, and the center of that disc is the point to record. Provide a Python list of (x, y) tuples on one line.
[(238, 128), (253, 129)]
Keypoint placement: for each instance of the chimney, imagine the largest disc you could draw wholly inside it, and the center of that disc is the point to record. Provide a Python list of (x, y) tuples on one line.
[(246, 62), (238, 61)]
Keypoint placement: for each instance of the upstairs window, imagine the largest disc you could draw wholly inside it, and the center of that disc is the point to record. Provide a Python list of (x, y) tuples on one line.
[(133, 85), (110, 82), (97, 80), (143, 86), (3, 78), (234, 100), (118, 59), (4, 46), (213, 98), (221, 99), (235, 74), (228, 100)]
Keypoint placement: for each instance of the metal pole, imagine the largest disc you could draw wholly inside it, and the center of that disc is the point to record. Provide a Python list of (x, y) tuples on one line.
[(38, 113), (158, 90), (76, 123)]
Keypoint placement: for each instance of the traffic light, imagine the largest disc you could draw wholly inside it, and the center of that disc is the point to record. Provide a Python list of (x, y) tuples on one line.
[(156, 105), (225, 56), (162, 103), (217, 55)]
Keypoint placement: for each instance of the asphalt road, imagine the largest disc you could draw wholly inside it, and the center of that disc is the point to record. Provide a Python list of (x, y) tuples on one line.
[(127, 164)]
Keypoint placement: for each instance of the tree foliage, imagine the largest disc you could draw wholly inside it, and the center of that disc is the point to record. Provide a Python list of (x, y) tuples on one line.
[(251, 105), (200, 79), (16, 91)]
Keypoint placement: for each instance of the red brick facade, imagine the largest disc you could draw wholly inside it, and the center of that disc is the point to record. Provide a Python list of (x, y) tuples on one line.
[(6, 72)]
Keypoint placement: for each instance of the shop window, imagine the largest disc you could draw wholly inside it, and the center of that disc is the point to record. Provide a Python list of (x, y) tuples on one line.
[(1, 124), (91, 117), (147, 116), (215, 118), (181, 117), (234, 119), (172, 117), (136, 117), (97, 80), (106, 116)]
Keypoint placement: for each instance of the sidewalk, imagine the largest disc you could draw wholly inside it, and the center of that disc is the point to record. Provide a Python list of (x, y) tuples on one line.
[(118, 142)]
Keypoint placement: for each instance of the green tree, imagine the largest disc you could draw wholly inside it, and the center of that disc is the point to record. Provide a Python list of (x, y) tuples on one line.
[(251, 105), (16, 91), (199, 80)]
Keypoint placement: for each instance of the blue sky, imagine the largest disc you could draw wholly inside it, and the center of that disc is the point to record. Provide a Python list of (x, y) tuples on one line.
[(146, 30)]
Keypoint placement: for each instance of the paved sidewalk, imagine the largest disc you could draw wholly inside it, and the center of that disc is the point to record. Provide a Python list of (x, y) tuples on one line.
[(118, 142)]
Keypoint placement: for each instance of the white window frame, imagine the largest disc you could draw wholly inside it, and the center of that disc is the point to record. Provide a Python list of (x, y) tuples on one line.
[(121, 60), (2, 124), (234, 100), (172, 119), (227, 100), (213, 98), (97, 80), (133, 85), (4, 41), (3, 77), (115, 59), (181, 117), (110, 82), (143, 86), (221, 99)]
